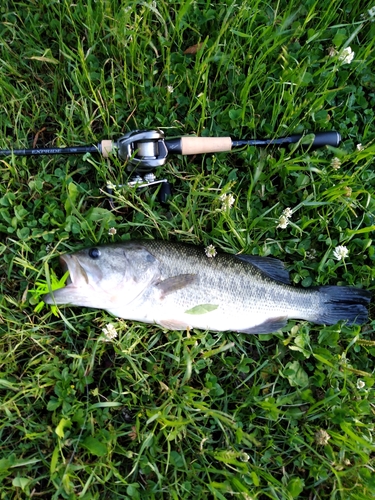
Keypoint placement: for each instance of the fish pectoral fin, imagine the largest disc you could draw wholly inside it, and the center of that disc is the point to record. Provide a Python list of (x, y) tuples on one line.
[(173, 324), (268, 326), (175, 283)]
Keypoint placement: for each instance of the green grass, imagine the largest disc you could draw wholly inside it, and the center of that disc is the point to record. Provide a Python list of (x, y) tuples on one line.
[(181, 415)]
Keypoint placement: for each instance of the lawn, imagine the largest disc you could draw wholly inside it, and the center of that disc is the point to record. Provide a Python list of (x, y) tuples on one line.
[(130, 411)]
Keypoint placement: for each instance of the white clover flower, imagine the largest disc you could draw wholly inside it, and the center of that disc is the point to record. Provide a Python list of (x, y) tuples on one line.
[(346, 56), (336, 163), (371, 13), (360, 384), (284, 218), (112, 231), (360, 147), (322, 437), (283, 222), (170, 89), (210, 251), (311, 254), (109, 332), (340, 252), (227, 201), (288, 212)]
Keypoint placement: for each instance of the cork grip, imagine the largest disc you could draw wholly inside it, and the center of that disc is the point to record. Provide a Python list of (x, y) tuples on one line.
[(106, 147), (199, 145)]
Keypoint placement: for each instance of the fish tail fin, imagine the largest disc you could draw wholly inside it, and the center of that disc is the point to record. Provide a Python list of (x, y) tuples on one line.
[(343, 303)]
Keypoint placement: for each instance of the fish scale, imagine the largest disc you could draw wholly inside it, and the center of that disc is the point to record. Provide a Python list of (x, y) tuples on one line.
[(224, 276), (177, 286)]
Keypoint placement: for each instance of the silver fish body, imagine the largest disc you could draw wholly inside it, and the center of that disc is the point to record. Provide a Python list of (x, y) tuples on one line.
[(177, 286)]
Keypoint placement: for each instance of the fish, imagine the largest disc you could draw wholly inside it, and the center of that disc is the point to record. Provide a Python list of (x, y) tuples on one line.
[(177, 286)]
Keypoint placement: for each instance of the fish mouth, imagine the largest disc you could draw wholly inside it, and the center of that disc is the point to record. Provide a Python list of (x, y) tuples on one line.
[(77, 274), (65, 268), (76, 281)]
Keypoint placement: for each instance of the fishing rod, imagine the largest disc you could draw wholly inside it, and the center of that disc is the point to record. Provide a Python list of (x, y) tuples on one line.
[(145, 150)]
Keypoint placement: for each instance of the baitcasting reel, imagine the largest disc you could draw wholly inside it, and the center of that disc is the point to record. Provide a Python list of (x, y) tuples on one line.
[(144, 151)]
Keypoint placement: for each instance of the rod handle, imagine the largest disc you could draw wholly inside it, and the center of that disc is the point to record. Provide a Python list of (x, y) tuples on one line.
[(106, 148), (200, 145), (321, 139), (327, 139)]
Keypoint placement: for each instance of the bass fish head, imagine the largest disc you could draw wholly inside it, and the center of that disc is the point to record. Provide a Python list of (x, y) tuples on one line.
[(103, 276)]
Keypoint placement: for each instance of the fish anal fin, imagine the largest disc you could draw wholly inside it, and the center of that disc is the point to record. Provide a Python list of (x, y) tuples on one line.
[(274, 268), (268, 326), (173, 324), (171, 285)]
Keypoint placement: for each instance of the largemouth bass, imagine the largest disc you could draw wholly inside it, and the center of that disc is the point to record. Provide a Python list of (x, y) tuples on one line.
[(177, 286)]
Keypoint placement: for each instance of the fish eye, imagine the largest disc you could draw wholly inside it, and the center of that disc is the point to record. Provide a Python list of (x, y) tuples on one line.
[(94, 253)]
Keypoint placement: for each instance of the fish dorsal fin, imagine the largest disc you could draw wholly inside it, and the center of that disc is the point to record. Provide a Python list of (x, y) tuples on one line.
[(274, 268), (175, 283)]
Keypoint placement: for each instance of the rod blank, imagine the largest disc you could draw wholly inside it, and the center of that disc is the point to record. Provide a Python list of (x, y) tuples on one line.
[(49, 151)]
